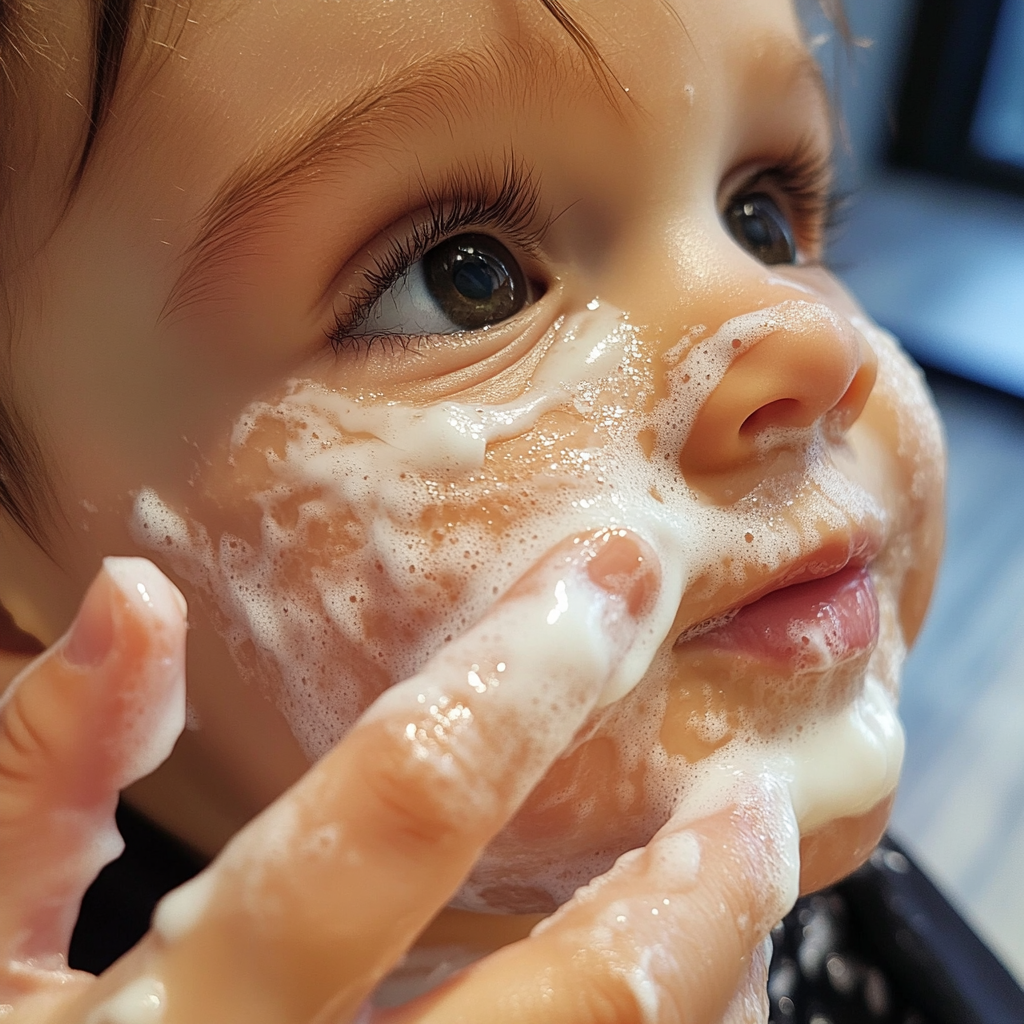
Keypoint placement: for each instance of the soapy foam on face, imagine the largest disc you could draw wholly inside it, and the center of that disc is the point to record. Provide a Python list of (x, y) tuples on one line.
[(372, 551)]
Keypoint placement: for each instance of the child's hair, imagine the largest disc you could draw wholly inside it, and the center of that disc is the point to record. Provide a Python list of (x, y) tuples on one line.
[(111, 24)]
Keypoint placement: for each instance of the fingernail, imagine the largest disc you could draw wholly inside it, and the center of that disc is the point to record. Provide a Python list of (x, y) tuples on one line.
[(625, 567), (92, 633), (141, 581)]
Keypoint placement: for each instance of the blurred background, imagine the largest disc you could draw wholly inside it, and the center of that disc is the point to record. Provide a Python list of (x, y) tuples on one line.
[(932, 243)]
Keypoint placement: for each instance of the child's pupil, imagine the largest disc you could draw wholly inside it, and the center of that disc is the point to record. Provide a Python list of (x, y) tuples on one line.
[(758, 224), (475, 280)]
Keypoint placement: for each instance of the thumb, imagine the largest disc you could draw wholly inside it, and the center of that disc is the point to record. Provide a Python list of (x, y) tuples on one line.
[(98, 710)]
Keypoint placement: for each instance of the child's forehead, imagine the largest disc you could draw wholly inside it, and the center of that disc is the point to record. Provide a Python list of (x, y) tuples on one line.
[(274, 67), (310, 44)]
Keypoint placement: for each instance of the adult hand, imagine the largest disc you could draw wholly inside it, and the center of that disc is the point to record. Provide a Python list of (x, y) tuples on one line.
[(320, 896)]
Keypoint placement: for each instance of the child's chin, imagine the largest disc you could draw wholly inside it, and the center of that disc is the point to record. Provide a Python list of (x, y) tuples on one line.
[(834, 850)]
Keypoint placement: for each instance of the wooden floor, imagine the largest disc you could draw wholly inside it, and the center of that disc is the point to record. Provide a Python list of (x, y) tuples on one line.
[(960, 808)]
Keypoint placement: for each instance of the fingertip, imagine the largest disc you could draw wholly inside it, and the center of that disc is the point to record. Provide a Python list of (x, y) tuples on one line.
[(121, 707), (138, 587), (625, 566), (151, 690), (146, 587)]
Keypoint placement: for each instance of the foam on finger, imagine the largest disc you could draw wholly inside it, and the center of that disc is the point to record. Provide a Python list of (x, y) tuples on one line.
[(527, 676), (152, 706), (673, 931)]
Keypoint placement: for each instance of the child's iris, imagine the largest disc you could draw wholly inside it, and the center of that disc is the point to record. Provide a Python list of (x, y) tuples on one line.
[(757, 223), (475, 280)]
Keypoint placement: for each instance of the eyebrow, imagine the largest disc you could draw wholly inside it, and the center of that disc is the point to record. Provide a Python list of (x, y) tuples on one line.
[(417, 95)]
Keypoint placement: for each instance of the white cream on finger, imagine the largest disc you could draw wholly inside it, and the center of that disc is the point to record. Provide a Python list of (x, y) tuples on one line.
[(142, 1001), (530, 697)]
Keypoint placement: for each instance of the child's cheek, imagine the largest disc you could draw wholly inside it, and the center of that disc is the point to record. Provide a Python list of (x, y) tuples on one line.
[(338, 543), (896, 451)]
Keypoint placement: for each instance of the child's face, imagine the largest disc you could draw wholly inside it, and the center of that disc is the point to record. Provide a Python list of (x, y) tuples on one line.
[(613, 317)]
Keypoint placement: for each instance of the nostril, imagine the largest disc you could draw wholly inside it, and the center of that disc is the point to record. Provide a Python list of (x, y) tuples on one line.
[(808, 370), (783, 412), (851, 405)]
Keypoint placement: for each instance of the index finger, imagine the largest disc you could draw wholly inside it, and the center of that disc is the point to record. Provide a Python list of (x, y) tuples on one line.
[(314, 901)]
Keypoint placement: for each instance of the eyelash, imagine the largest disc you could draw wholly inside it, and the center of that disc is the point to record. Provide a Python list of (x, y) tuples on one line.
[(804, 177), (464, 200)]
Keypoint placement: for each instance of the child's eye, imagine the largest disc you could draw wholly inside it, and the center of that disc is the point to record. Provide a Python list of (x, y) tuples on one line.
[(466, 282), (442, 270), (760, 227)]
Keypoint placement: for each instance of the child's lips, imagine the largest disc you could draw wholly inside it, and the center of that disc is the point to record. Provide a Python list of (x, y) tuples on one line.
[(838, 612)]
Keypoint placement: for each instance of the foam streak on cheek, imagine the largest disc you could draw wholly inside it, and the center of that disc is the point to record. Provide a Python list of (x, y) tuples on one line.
[(453, 436)]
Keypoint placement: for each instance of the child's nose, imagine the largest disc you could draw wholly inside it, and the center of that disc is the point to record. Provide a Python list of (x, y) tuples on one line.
[(811, 367)]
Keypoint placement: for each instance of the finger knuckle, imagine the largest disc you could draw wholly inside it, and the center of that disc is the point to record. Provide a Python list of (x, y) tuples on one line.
[(21, 743), (610, 997), (427, 799)]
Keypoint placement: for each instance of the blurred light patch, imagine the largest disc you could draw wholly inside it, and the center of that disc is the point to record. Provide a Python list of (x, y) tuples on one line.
[(998, 128), (941, 265)]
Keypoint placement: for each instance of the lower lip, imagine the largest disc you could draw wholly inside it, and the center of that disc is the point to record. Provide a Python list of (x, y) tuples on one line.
[(833, 618)]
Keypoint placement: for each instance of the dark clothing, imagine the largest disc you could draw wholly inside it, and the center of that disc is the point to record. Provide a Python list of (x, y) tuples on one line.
[(118, 905)]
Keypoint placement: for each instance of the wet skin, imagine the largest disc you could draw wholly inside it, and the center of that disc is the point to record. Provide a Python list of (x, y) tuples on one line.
[(135, 378)]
